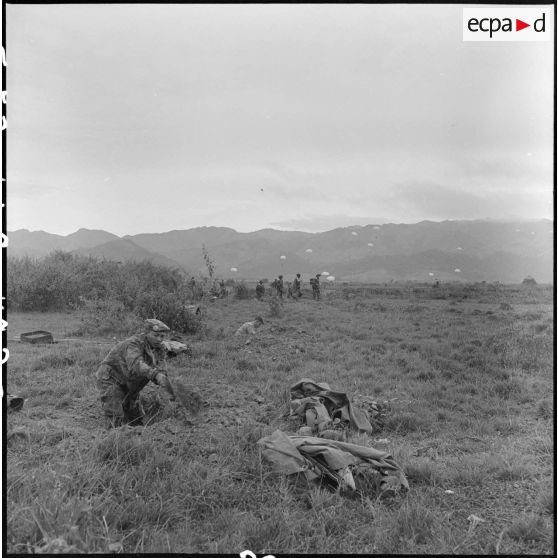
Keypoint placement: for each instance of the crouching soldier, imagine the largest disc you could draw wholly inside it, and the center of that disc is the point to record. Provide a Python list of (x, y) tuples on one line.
[(249, 328), (127, 369)]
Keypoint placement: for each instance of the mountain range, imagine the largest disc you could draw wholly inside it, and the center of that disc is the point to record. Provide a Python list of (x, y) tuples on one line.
[(448, 250)]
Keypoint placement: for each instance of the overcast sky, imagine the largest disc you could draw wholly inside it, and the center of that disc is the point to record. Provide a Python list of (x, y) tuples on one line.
[(148, 118)]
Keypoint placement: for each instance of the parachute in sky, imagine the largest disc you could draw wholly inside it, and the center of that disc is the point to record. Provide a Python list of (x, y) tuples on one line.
[(325, 273)]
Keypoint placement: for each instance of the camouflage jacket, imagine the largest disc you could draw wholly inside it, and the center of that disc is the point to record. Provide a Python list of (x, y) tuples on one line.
[(132, 362)]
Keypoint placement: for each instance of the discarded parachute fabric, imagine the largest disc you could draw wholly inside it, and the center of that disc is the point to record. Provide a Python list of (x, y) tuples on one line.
[(327, 404), (318, 456)]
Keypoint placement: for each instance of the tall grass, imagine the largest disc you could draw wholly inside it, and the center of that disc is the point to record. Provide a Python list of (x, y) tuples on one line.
[(471, 422), (112, 296)]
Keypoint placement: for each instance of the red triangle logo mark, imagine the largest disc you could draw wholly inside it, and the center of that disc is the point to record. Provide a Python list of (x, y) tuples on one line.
[(519, 25)]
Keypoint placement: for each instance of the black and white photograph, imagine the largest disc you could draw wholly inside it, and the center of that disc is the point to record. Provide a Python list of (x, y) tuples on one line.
[(279, 278)]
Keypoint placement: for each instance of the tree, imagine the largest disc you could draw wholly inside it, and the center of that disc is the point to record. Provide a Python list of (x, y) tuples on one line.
[(209, 262)]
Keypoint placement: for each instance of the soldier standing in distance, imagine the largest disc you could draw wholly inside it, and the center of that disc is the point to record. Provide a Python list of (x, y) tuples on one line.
[(290, 290), (315, 282), (297, 286), (280, 286), (260, 290), (222, 289)]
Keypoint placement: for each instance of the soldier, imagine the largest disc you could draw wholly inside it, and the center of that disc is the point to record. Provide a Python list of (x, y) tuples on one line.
[(260, 290), (297, 283), (222, 289), (290, 291), (280, 286), (249, 328), (127, 369), (315, 282)]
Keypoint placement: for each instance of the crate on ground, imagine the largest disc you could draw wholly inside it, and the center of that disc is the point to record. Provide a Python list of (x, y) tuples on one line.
[(38, 336)]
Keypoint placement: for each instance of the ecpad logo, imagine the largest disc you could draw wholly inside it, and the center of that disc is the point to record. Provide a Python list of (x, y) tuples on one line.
[(507, 24)]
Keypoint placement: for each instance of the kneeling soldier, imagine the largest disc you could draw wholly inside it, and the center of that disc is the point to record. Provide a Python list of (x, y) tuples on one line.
[(127, 369)]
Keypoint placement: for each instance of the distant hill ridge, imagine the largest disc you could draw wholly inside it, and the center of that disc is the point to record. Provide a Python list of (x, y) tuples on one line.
[(479, 250)]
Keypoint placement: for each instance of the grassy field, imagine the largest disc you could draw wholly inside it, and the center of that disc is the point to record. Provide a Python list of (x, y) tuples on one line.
[(468, 373)]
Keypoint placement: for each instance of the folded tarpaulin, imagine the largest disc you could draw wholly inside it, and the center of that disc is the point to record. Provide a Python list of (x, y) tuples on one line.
[(336, 402), (294, 454)]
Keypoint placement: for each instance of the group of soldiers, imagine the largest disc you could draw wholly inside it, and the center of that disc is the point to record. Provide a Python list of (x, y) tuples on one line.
[(293, 289), (217, 291)]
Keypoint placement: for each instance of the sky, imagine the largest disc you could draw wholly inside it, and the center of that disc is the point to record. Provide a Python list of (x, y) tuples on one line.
[(149, 118)]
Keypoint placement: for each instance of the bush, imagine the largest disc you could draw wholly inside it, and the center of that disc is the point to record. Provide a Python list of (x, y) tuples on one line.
[(63, 281), (166, 307), (107, 317)]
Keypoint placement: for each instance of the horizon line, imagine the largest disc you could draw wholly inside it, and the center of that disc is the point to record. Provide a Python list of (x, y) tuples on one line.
[(283, 229)]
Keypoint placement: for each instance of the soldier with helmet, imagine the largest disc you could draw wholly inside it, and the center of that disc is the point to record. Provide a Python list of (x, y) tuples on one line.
[(297, 284), (279, 286), (315, 282), (127, 369), (260, 289)]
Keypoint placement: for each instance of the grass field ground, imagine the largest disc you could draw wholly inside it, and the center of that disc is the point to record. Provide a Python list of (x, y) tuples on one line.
[(468, 374)]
